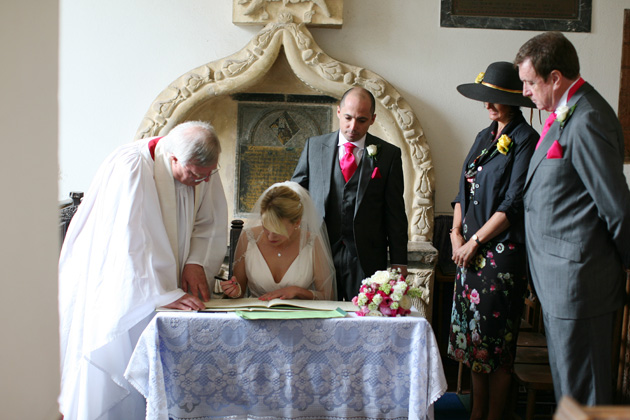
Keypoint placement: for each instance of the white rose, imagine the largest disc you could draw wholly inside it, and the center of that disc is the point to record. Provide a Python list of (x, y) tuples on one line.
[(380, 277), (371, 149), (561, 113)]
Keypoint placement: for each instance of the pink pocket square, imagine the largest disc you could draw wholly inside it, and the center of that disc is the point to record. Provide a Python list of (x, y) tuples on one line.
[(555, 151), (376, 174)]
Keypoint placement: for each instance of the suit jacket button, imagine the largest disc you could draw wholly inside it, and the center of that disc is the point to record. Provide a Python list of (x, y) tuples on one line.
[(476, 202)]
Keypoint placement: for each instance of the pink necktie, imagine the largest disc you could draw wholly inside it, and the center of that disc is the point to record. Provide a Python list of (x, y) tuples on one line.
[(347, 162), (550, 119)]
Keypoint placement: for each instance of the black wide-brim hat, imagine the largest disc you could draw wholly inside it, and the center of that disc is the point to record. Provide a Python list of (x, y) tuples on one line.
[(500, 84)]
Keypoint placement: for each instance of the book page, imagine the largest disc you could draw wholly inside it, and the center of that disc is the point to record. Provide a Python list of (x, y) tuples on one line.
[(254, 303)]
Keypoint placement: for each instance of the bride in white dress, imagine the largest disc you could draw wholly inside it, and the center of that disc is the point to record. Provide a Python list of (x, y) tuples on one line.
[(283, 253)]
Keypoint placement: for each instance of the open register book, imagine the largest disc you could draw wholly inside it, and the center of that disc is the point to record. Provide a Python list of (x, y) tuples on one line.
[(253, 304)]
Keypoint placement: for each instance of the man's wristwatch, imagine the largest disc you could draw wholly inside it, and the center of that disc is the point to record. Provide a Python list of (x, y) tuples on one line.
[(476, 239)]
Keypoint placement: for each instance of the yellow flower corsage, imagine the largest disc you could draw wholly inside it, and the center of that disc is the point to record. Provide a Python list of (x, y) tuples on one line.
[(503, 144), (479, 78)]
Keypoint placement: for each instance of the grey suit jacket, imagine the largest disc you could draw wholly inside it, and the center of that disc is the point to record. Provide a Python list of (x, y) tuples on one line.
[(380, 220), (577, 212)]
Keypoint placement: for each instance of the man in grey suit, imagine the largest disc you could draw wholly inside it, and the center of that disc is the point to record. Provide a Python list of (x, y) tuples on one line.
[(365, 213), (577, 218)]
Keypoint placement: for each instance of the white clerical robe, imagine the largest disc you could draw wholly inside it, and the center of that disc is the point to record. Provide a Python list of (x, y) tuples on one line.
[(122, 257)]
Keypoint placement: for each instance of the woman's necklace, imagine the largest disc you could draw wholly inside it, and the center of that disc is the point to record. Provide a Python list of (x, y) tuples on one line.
[(280, 251)]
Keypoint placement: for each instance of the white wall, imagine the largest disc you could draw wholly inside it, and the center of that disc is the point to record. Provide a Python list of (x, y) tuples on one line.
[(29, 354), (116, 56)]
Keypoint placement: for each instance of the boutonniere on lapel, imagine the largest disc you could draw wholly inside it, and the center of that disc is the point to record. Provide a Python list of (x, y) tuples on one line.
[(504, 144), (372, 152), (563, 113)]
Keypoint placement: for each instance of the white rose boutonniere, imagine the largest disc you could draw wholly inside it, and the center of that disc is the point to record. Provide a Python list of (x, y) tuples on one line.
[(372, 151), (563, 113)]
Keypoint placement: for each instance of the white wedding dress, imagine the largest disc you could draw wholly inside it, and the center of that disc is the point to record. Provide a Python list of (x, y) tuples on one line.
[(260, 279)]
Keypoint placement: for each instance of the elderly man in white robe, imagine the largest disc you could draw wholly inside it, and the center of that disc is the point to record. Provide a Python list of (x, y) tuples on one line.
[(150, 231)]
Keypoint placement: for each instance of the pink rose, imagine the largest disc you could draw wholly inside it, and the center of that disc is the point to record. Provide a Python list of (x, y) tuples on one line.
[(459, 354), (474, 297), (355, 300), (386, 310), (363, 312)]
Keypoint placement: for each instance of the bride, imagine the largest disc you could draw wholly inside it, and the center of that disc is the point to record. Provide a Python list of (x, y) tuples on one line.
[(283, 253)]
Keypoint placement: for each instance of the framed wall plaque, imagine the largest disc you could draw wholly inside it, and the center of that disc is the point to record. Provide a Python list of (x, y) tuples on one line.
[(530, 15)]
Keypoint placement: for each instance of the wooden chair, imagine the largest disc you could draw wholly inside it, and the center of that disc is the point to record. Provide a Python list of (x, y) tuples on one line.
[(235, 232), (67, 212), (531, 367)]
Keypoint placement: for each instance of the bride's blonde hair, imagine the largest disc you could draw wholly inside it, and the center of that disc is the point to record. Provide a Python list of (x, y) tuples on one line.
[(280, 203)]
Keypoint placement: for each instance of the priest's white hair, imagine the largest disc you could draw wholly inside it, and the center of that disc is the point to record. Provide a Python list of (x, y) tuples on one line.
[(193, 142)]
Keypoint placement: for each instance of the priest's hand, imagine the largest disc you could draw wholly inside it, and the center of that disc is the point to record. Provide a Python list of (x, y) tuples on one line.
[(187, 303), (194, 281)]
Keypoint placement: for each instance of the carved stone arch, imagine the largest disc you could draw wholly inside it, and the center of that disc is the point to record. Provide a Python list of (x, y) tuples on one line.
[(321, 73)]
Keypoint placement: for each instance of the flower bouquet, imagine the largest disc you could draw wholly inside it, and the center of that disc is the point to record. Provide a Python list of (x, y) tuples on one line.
[(386, 293)]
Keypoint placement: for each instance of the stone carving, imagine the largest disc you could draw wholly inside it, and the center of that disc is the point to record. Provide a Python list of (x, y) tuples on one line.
[(254, 7), (321, 73), (312, 12)]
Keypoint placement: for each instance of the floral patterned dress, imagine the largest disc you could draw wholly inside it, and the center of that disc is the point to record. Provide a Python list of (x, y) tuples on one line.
[(489, 294), (487, 307)]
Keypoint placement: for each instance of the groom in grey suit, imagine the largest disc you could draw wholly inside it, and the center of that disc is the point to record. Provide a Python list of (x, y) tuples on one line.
[(365, 215), (577, 218)]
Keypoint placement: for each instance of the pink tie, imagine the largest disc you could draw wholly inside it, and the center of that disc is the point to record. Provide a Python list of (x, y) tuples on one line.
[(347, 162), (550, 119)]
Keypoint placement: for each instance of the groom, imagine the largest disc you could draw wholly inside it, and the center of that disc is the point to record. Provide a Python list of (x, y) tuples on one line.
[(577, 218), (356, 182)]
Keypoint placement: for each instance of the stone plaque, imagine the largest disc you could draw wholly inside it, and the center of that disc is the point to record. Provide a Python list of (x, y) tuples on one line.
[(270, 139), (556, 15)]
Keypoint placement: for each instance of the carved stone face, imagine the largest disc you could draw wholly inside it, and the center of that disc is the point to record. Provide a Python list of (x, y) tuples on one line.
[(355, 116)]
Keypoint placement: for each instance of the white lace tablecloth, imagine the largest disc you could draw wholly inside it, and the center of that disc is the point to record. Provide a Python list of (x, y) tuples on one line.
[(219, 366)]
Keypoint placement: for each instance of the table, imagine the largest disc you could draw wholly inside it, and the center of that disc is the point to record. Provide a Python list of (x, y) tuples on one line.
[(219, 366)]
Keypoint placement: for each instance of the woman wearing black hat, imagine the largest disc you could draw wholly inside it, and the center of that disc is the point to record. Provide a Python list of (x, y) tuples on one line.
[(488, 240)]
